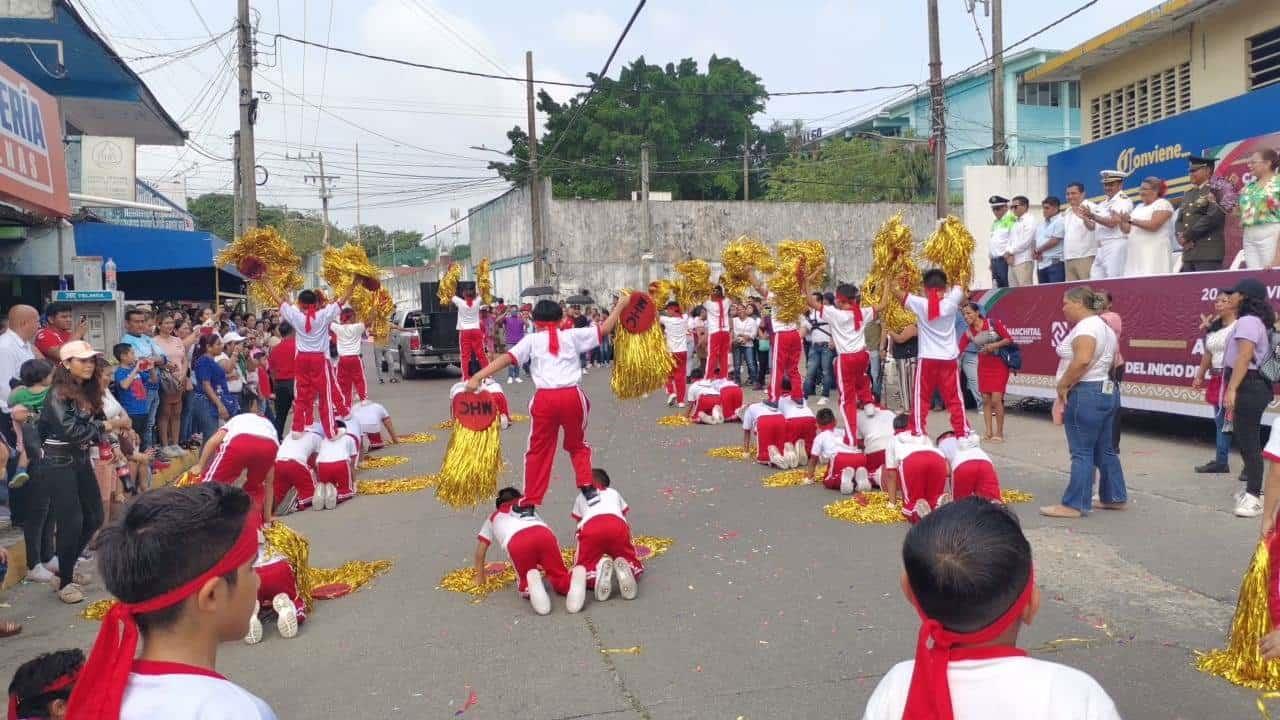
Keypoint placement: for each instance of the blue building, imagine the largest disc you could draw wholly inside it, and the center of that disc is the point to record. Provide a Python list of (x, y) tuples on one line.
[(1040, 118)]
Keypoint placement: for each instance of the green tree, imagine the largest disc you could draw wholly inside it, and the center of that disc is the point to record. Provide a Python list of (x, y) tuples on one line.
[(214, 213), (461, 252), (694, 120), (855, 170)]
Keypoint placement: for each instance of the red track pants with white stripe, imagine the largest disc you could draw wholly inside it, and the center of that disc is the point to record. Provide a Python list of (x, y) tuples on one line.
[(922, 475), (551, 411), (471, 344), (943, 376), (854, 384), (315, 383), (293, 474), (676, 380), (249, 454), (536, 547), (605, 535), (975, 477), (275, 577), (836, 468), (351, 376), (785, 359), (718, 355), (338, 474)]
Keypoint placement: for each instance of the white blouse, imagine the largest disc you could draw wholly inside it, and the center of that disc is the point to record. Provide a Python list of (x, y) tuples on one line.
[(1215, 343)]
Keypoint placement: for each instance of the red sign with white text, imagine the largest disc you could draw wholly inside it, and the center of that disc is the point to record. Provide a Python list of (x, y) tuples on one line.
[(33, 172), (1160, 340)]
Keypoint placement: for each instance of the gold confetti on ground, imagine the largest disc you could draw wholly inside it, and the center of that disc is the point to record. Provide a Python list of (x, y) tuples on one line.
[(382, 463), (186, 479), (655, 544), (869, 508), (1241, 662), (676, 420), (1010, 497), (728, 452), (417, 438), (790, 478), (97, 609), (463, 580), (445, 424), (633, 650), (516, 417), (397, 486)]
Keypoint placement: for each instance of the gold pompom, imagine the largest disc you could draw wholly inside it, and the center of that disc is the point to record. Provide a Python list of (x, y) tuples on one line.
[(663, 292), (1241, 662), (374, 310), (382, 463), (676, 420), (696, 286), (345, 266), (741, 258), (284, 540), (449, 284), (484, 281), (469, 474), (792, 478), (868, 508), (641, 363), (463, 580), (728, 452), (417, 438), (795, 256), (950, 249), (276, 257), (398, 486), (1012, 497), (892, 258)]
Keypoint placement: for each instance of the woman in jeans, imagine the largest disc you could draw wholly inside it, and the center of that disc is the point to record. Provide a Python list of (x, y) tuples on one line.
[(208, 411), (1246, 393), (175, 351), (1216, 331), (1087, 404), (71, 427)]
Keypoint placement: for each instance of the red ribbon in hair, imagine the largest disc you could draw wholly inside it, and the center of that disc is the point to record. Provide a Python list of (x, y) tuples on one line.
[(100, 691), (308, 309), (856, 308), (935, 303), (929, 696), (61, 683), (553, 336)]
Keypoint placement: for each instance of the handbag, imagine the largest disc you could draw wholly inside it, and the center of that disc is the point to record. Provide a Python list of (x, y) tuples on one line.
[(1011, 356), (1270, 368), (170, 383)]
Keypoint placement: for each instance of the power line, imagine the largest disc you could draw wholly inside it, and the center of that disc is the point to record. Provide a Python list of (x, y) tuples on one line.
[(324, 73), (440, 21)]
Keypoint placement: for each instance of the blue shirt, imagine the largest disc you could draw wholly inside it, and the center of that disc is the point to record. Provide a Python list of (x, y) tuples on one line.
[(1052, 228), (129, 398), (144, 347), (208, 369)]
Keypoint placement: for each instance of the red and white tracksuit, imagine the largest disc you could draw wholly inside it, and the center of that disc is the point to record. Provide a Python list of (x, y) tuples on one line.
[(676, 330), (295, 475), (333, 464), (972, 472), (730, 399), (837, 464), (470, 334), (351, 381), (922, 471), (706, 403), (603, 530), (769, 427), (530, 544), (801, 422), (847, 329), (784, 360), (249, 447), (937, 368), (276, 576), (719, 339), (314, 379), (679, 374)]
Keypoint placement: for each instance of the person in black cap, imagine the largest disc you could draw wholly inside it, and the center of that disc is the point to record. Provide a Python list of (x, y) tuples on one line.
[(1246, 393), (998, 244), (1201, 220)]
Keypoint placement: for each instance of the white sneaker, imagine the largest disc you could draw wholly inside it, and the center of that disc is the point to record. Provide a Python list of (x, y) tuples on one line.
[(922, 509), (53, 565), (577, 596), (40, 574), (604, 578), (520, 380), (511, 381), (671, 399), (943, 499), (862, 479), (869, 410), (286, 615), (718, 414), (706, 419), (802, 453), (1248, 506), (538, 597), (254, 636), (317, 499), (626, 579), (330, 496), (789, 455), (822, 402), (682, 405), (846, 481), (776, 459)]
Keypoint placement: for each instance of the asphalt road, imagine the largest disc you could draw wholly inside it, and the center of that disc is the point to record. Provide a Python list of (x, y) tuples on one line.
[(763, 608)]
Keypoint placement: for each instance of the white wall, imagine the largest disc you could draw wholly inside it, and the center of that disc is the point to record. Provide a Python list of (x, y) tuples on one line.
[(983, 181)]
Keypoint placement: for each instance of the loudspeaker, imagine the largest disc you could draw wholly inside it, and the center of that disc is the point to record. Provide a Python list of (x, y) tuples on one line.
[(443, 333)]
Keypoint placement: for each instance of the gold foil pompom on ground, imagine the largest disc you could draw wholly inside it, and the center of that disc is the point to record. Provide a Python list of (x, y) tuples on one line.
[(98, 609), (950, 249), (273, 261), (676, 420), (728, 452), (696, 284), (1011, 497), (1241, 662), (484, 281), (382, 463), (656, 545), (869, 508), (449, 284), (741, 258), (397, 486), (791, 478), (417, 438), (463, 580)]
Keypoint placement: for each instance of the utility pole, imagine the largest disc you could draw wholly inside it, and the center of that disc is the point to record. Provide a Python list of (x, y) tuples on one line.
[(998, 146), (938, 110), (645, 213), (322, 180), (359, 236), (237, 203), (746, 165), (535, 184), (248, 115)]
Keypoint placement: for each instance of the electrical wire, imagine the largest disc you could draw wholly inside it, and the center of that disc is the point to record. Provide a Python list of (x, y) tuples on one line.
[(440, 21), (324, 72)]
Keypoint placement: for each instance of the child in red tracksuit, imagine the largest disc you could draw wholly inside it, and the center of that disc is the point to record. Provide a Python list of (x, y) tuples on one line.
[(704, 402), (938, 368), (294, 482), (350, 370), (314, 379), (730, 399), (247, 446), (558, 402), (770, 430), (470, 333), (335, 469), (534, 552), (278, 593), (604, 541), (675, 326), (846, 465), (919, 472), (972, 472), (719, 335)]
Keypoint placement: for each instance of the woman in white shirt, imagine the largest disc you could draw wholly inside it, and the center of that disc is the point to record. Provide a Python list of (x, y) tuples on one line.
[(1087, 405), (1217, 329), (1148, 230)]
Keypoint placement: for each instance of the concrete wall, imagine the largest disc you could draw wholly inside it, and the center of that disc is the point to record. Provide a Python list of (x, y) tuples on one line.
[(983, 182), (596, 244)]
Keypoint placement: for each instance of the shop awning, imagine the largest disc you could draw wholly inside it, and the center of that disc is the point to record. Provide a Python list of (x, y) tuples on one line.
[(136, 249)]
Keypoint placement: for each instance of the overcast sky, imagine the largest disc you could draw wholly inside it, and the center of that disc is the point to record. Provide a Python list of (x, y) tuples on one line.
[(419, 123)]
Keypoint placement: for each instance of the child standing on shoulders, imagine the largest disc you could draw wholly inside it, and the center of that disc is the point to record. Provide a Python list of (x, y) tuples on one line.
[(968, 573), (604, 541), (314, 380), (350, 372), (972, 472), (919, 471), (938, 369), (533, 550), (181, 564), (846, 465), (40, 687)]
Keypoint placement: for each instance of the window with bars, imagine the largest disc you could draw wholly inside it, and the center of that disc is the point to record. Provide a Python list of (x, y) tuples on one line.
[(1264, 59), (1145, 101), (1047, 94)]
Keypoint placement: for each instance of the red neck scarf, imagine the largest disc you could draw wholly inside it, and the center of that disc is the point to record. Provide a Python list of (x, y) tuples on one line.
[(553, 336), (721, 320), (308, 309), (470, 301), (855, 307), (100, 690), (929, 697), (61, 683), (935, 303)]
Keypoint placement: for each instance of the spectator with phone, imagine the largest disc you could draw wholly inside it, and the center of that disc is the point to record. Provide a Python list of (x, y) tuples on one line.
[(133, 378), (59, 330)]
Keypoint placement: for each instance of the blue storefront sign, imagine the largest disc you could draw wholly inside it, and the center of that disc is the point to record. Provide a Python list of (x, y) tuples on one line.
[(84, 296), (1229, 131)]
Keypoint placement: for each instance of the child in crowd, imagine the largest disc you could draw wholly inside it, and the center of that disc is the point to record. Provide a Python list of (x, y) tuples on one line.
[(968, 573), (769, 427), (335, 469), (294, 486), (181, 565), (25, 403), (802, 426), (533, 550), (874, 433), (277, 593), (704, 402), (972, 472), (730, 399), (246, 446), (41, 687), (133, 378), (371, 419), (846, 465), (675, 326), (919, 471), (604, 541)]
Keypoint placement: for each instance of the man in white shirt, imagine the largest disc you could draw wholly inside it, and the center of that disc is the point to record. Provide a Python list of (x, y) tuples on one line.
[(1112, 240), (350, 334), (470, 334), (998, 243), (938, 368), (1079, 245), (719, 331), (1022, 244), (745, 329), (15, 346), (675, 326)]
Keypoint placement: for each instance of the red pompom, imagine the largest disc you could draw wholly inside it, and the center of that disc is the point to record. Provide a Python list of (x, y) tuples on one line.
[(252, 268), (369, 283)]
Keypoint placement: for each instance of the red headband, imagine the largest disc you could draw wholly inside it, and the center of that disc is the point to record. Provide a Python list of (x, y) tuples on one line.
[(553, 336), (103, 678), (929, 697), (61, 683)]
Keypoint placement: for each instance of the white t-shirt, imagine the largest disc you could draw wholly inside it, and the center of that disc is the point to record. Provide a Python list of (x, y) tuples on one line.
[(468, 313), (676, 328), (717, 315), (318, 339), (503, 525), (340, 449), (610, 503), (349, 337), (1109, 208), (792, 409), (754, 412), (299, 449), (828, 443), (959, 452), (111, 407), (249, 424), (698, 389), (722, 384), (174, 696), (1012, 687), (937, 336), (998, 243), (1080, 241), (1215, 343), (747, 326), (563, 370), (1022, 239), (846, 337), (905, 444), (370, 416), (1103, 353), (875, 431)]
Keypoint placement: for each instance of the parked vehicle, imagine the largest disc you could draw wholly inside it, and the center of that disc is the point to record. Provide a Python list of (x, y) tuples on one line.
[(423, 346)]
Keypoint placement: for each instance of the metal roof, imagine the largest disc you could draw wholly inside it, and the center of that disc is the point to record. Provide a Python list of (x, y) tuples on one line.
[(1158, 22)]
